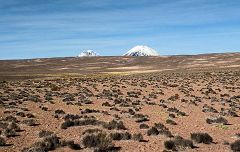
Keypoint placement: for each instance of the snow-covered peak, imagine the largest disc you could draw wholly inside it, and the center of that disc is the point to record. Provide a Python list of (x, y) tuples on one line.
[(141, 50), (87, 53)]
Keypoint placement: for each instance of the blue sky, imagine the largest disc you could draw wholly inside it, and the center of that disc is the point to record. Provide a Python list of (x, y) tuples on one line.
[(55, 28)]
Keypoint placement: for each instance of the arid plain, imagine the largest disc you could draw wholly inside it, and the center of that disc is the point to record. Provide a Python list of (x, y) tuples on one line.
[(174, 103)]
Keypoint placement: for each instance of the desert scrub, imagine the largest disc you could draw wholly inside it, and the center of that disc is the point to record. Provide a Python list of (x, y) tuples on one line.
[(178, 143), (171, 122), (217, 120), (71, 144), (99, 141), (235, 146), (143, 126), (137, 137), (2, 142), (10, 119), (201, 138), (152, 131), (121, 136), (47, 143), (3, 125), (80, 122), (92, 130), (59, 111), (163, 130), (30, 122), (9, 133), (13, 126), (44, 133), (114, 125), (141, 117)]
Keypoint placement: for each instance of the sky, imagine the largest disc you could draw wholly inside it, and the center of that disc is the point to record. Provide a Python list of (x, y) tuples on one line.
[(60, 28)]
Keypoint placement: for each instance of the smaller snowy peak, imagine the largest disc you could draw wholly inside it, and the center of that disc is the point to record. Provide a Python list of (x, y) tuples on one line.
[(141, 50), (87, 53)]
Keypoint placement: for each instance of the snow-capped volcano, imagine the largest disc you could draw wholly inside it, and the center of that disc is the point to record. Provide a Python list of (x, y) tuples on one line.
[(141, 50), (87, 53)]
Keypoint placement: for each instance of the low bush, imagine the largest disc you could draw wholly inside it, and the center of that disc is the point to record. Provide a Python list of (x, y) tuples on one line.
[(90, 131), (178, 143), (152, 131), (10, 119), (30, 122), (171, 122), (99, 141), (143, 126), (137, 137), (235, 146), (201, 138), (29, 115), (48, 143), (3, 125), (121, 136), (14, 126), (2, 142), (59, 111), (114, 125), (163, 130), (44, 133), (217, 120), (9, 133), (81, 122), (71, 144)]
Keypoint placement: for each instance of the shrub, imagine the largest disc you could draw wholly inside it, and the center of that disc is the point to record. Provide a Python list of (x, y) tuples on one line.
[(11, 119), (178, 144), (45, 108), (30, 122), (217, 120), (83, 122), (71, 117), (201, 138), (29, 115), (141, 117), (3, 125), (21, 114), (171, 115), (59, 111), (152, 131), (71, 145), (14, 126), (67, 124), (89, 111), (107, 104), (169, 144), (2, 142), (143, 126), (90, 131), (44, 133), (99, 141), (163, 130), (114, 125), (48, 143), (235, 146), (9, 133), (137, 137), (121, 136), (171, 122)]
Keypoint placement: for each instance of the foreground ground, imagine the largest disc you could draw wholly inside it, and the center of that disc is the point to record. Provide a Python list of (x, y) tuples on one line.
[(135, 112)]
